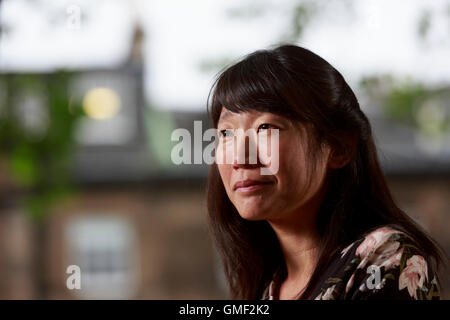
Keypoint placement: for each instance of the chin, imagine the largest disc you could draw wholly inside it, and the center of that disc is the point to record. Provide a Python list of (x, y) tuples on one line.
[(252, 215)]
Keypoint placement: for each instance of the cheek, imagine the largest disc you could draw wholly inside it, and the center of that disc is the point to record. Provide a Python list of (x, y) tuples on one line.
[(225, 151), (302, 179), (292, 157), (293, 167), (224, 168), (266, 149), (225, 174)]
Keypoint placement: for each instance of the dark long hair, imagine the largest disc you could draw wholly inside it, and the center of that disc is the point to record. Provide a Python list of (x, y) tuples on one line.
[(294, 82)]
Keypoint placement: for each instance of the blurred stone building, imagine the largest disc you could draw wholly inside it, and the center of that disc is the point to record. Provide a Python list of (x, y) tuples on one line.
[(136, 225)]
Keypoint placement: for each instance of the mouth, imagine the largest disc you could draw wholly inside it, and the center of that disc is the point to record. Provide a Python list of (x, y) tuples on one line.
[(250, 185)]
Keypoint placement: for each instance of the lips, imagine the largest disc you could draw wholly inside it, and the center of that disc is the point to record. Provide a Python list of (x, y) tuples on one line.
[(246, 184)]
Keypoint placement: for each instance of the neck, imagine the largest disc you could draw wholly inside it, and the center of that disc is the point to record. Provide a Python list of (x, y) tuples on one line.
[(298, 237), (299, 244)]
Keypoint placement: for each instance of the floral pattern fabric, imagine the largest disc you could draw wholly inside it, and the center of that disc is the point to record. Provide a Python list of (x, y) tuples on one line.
[(385, 263)]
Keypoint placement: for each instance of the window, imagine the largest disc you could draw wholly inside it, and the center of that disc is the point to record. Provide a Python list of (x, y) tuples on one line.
[(105, 250)]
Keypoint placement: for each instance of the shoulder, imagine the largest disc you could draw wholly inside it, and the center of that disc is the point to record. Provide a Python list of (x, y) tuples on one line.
[(385, 263)]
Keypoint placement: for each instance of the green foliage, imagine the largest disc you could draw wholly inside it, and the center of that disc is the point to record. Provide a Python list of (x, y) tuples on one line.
[(424, 24), (410, 102), (301, 16), (23, 165), (401, 102), (39, 163)]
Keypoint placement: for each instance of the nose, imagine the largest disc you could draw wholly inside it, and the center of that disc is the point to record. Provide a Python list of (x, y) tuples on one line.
[(246, 151)]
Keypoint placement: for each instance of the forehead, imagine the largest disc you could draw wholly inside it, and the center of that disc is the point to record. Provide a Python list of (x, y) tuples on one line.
[(226, 114)]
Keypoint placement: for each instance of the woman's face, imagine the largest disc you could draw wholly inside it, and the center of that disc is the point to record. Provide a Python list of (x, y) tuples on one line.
[(275, 195)]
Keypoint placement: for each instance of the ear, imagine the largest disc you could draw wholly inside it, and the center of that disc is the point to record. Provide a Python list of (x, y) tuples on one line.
[(343, 152)]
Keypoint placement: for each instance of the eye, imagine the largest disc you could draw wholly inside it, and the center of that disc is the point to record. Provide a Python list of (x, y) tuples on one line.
[(265, 126), (226, 133)]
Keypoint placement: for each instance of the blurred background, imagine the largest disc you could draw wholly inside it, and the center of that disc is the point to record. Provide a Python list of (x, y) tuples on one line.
[(90, 92)]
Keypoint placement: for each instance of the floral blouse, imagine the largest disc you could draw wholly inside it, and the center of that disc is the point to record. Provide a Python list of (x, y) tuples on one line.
[(383, 264)]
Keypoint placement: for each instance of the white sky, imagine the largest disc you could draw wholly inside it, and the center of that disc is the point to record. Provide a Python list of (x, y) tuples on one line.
[(380, 36)]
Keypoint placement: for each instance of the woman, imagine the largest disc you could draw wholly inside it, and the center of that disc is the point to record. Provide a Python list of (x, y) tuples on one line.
[(324, 224)]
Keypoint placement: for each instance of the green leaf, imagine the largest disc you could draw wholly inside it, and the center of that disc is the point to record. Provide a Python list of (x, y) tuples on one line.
[(24, 169), (333, 280), (389, 276)]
